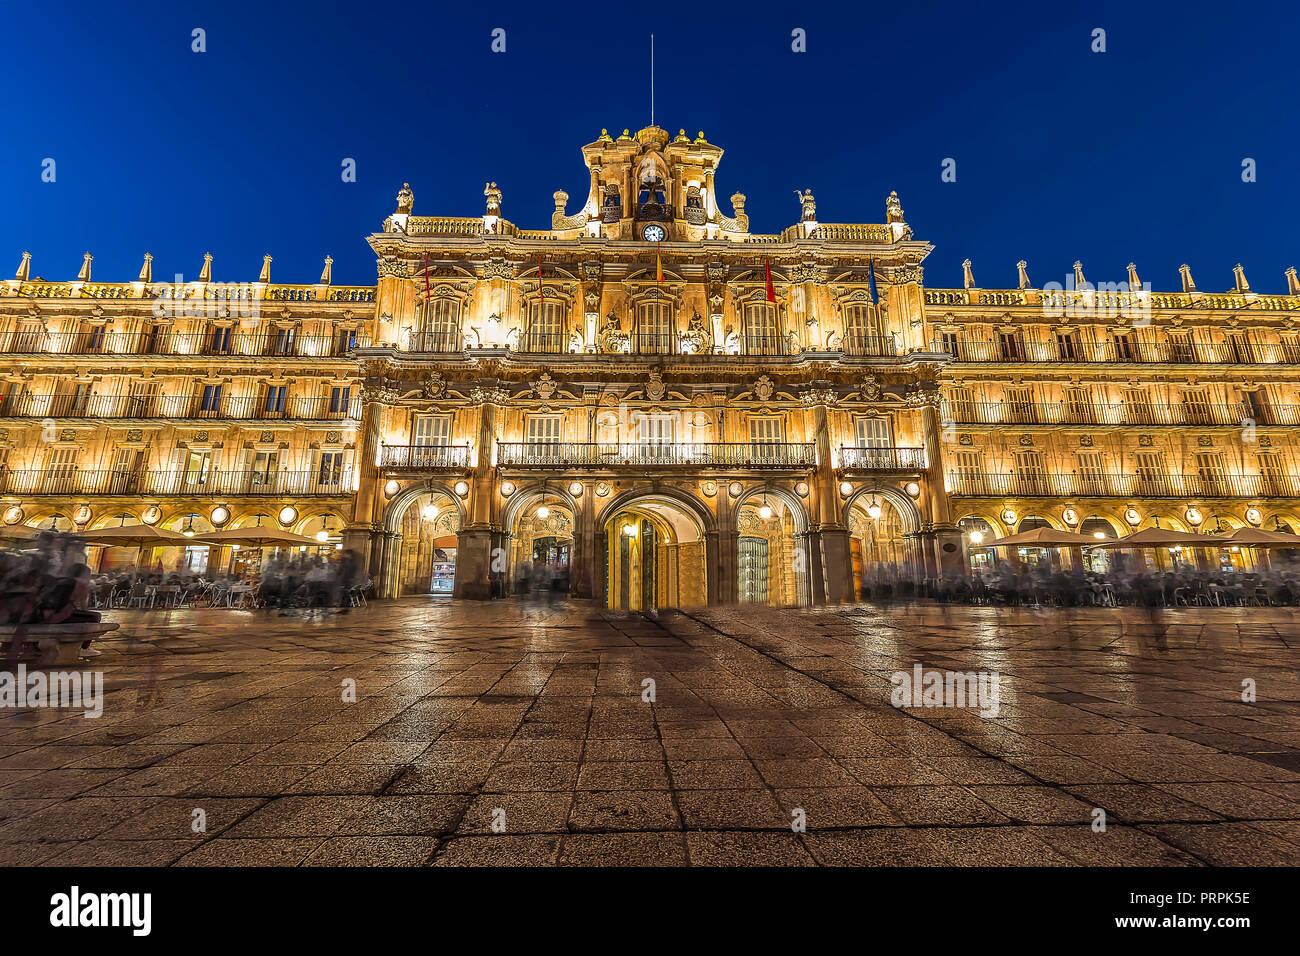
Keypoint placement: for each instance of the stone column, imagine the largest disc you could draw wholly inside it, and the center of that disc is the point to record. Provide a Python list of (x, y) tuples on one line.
[(359, 533), (478, 537), (832, 575), (946, 547), (725, 547)]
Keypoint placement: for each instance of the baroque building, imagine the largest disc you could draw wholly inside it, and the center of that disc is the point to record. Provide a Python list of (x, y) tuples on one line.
[(679, 410)]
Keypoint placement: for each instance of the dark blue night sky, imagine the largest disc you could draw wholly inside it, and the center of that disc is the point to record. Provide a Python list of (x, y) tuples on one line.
[(1062, 154)]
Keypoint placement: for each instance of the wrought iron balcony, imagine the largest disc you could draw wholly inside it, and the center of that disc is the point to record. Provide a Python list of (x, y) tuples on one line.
[(651, 455), (243, 407), (860, 343), (1081, 413), (424, 457), (1130, 349), (446, 341), (884, 459), (86, 481), (1123, 486), (165, 341)]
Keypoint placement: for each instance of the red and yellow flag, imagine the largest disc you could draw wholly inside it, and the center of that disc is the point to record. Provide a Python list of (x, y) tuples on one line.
[(771, 292), (659, 265)]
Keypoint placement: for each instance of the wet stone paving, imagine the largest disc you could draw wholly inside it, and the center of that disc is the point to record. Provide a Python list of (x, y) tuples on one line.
[(511, 734)]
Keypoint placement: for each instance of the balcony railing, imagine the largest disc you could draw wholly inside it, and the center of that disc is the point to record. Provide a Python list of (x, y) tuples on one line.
[(652, 343), (751, 344), (1079, 413), (79, 481), (1188, 351), (164, 341), (244, 407), (447, 341), (859, 343), (424, 457), (546, 343), (886, 459), (1124, 486), (655, 455)]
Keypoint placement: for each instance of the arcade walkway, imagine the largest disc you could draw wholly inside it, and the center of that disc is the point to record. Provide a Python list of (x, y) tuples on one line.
[(533, 718)]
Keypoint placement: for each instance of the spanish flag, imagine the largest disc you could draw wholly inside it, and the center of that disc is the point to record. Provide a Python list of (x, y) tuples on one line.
[(659, 265)]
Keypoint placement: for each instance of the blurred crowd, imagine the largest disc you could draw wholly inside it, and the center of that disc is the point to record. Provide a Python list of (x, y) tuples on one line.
[(542, 579), (1123, 584), (47, 584)]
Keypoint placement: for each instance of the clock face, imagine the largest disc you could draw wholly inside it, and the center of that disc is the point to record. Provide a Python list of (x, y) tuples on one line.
[(653, 233)]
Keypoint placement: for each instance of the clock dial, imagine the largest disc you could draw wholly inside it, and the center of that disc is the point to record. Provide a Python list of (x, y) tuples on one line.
[(653, 233)]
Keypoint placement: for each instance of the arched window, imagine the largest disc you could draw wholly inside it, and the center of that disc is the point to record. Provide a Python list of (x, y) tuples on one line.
[(654, 328), (440, 329), (546, 326), (762, 331)]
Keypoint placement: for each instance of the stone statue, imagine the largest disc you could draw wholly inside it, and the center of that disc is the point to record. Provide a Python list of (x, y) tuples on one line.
[(612, 338), (809, 205), (493, 195), (405, 199), (697, 338)]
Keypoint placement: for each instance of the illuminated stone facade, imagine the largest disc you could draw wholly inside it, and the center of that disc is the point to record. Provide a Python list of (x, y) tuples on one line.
[(672, 407)]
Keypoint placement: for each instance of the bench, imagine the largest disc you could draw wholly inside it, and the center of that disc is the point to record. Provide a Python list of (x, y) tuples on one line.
[(49, 644)]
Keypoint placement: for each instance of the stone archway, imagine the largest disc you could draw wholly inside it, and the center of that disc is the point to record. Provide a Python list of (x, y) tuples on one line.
[(396, 553), (659, 550), (778, 518)]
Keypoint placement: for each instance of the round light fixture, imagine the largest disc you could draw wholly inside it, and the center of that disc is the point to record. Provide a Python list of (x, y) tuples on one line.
[(913, 489), (977, 537), (322, 535), (575, 489), (765, 512), (543, 512), (874, 509), (429, 511), (288, 514), (1099, 534), (391, 488), (220, 515), (629, 530), (507, 488), (188, 530), (462, 488)]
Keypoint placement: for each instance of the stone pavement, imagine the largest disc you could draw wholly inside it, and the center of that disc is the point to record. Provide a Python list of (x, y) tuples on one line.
[(505, 734)]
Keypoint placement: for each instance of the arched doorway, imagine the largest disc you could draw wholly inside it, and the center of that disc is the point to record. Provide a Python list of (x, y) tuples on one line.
[(881, 550), (1099, 529), (426, 558), (655, 554), (541, 545), (772, 548), (976, 533)]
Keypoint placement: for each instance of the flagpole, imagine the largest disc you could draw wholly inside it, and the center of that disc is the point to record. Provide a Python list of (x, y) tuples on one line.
[(652, 79)]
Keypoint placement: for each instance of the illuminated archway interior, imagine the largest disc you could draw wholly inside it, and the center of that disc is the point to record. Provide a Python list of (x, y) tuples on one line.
[(655, 558), (427, 558)]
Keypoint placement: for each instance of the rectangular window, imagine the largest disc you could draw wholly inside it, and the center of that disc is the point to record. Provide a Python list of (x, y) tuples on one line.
[(273, 400), (1209, 468), (546, 327), (967, 476), (210, 401), (1180, 347), (1011, 347), (441, 328), (1029, 472), (1019, 406), (951, 344), (871, 432), (219, 343), (1125, 349), (1151, 475), (1137, 407), (543, 429), (1272, 476), (340, 399), (330, 471), (762, 337), (1196, 407), (1067, 347), (197, 466), (432, 430), (654, 328), (960, 406), (264, 467), (1092, 473)]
